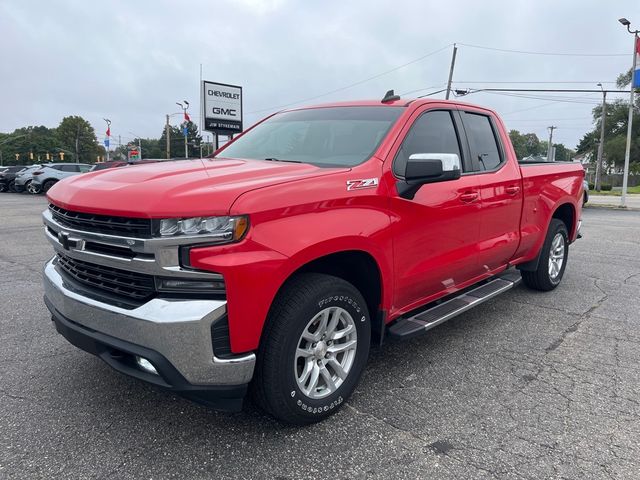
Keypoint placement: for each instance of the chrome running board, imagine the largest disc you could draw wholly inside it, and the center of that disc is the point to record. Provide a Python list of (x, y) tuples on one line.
[(412, 326)]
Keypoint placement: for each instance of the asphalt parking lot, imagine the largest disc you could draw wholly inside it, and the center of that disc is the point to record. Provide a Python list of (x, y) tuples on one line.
[(528, 385)]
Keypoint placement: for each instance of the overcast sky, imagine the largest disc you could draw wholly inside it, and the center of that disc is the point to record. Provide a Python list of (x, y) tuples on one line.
[(131, 61)]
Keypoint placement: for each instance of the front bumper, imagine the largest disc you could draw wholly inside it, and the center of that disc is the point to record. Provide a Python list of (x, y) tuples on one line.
[(173, 334), (21, 181)]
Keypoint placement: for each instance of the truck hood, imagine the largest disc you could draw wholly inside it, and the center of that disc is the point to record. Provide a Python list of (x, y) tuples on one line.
[(185, 188)]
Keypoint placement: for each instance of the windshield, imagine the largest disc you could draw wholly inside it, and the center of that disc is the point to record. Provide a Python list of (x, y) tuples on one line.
[(332, 136)]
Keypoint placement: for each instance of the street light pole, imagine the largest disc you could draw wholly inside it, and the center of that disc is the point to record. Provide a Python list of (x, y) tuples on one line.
[(601, 146), (108, 132), (167, 130), (627, 152), (185, 129)]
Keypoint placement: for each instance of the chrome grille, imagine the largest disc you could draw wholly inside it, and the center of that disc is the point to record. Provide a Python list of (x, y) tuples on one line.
[(122, 226)]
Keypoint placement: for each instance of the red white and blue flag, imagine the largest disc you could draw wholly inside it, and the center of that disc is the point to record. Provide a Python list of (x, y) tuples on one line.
[(636, 74)]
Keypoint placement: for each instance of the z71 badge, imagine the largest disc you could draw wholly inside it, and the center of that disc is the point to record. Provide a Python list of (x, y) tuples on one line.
[(360, 184)]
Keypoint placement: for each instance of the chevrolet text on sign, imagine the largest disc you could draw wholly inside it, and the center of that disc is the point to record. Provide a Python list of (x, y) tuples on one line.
[(222, 108)]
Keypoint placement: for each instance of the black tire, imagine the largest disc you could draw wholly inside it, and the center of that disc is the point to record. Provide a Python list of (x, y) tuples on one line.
[(541, 279), (30, 188), (3, 187), (585, 198), (46, 186), (275, 388), (12, 187)]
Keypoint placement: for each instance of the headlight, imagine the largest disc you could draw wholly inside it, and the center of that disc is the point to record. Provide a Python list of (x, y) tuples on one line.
[(223, 229)]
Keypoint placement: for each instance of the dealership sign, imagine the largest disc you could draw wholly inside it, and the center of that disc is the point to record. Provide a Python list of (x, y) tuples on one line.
[(222, 108)]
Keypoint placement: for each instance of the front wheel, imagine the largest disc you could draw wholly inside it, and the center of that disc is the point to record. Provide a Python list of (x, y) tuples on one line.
[(314, 349), (32, 188), (553, 259)]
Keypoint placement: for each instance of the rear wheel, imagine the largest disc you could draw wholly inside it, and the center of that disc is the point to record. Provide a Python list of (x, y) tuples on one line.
[(3, 187), (314, 349), (553, 259), (46, 186), (12, 187)]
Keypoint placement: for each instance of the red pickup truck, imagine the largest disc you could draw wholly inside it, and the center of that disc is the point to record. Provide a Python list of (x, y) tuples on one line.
[(275, 264)]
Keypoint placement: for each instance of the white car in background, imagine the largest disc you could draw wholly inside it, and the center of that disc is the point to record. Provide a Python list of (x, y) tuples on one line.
[(42, 179)]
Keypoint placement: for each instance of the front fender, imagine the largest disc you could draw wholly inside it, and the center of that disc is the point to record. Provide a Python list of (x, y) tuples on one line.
[(256, 268)]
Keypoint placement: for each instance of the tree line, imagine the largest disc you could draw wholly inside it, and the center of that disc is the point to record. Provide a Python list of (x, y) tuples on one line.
[(529, 145), (74, 140), (615, 133)]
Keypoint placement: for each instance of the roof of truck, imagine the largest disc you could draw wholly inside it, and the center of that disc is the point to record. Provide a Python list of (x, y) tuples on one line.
[(402, 102)]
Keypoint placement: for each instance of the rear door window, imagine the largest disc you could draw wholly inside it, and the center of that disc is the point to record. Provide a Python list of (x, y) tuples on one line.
[(483, 142)]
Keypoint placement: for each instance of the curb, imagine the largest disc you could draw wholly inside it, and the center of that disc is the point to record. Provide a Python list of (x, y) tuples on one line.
[(611, 207)]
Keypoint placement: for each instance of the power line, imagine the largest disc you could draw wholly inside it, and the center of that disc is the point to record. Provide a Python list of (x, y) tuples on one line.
[(359, 82), (547, 97), (423, 89), (556, 54), (548, 82)]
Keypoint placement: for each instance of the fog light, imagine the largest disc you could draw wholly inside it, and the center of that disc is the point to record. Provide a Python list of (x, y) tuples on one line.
[(146, 365), (179, 285)]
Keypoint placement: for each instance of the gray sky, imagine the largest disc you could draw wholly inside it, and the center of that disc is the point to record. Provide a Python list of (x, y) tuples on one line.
[(131, 61)]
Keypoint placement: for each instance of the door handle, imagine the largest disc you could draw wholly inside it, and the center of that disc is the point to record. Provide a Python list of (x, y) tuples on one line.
[(469, 197), (512, 190)]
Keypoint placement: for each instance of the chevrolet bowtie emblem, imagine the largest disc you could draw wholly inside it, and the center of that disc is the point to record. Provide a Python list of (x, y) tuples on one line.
[(63, 238)]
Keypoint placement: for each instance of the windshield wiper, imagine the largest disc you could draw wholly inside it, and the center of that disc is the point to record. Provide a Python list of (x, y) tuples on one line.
[(272, 159)]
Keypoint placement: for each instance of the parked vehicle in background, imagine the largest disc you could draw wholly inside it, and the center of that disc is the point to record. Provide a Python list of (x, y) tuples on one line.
[(121, 163), (23, 179), (46, 177), (110, 164), (272, 265), (8, 176), (585, 197)]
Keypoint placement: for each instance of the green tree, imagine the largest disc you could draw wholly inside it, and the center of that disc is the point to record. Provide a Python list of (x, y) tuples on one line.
[(519, 143), (527, 144), (176, 138), (76, 131), (28, 142), (532, 145)]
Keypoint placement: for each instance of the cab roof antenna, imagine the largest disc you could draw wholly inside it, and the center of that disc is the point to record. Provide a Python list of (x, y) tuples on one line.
[(390, 96)]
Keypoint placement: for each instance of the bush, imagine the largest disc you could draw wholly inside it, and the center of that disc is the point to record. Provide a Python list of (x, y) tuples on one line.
[(605, 187), (592, 186)]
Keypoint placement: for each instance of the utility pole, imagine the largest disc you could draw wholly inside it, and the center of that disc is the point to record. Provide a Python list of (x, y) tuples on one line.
[(167, 130), (627, 152), (601, 145), (550, 147), (453, 64), (77, 139)]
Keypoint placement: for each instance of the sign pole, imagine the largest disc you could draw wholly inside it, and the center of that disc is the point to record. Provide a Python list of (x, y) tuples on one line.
[(627, 151)]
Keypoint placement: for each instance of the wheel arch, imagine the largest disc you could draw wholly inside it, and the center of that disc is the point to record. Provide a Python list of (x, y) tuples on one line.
[(358, 267), (566, 213)]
